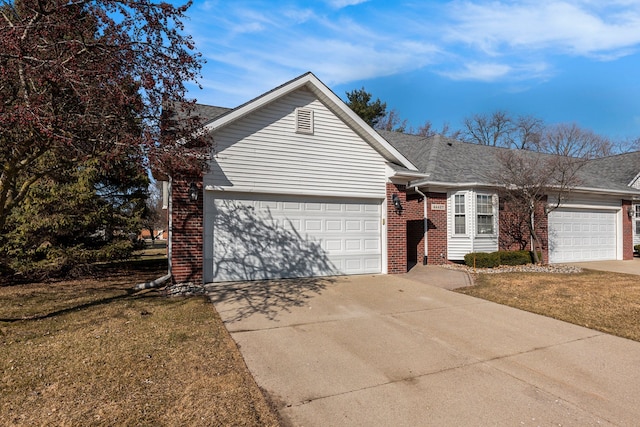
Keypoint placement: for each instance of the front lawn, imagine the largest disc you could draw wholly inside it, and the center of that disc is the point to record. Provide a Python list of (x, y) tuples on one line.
[(91, 352), (608, 302)]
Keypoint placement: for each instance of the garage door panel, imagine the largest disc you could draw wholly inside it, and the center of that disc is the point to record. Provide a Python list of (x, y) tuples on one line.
[(582, 235), (271, 238)]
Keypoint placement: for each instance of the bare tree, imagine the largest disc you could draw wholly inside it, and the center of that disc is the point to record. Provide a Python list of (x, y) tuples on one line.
[(528, 181), (428, 130), (526, 133), (572, 141), (392, 121), (488, 129), (501, 129)]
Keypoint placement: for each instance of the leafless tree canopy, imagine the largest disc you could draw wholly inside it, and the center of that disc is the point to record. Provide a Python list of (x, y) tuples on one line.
[(501, 129)]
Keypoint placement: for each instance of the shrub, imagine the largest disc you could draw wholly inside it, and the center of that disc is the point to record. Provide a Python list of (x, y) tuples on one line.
[(515, 257), (637, 248), (482, 259), (495, 259)]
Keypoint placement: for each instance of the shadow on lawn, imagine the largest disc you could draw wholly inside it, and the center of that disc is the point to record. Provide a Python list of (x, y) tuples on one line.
[(65, 310), (266, 297)]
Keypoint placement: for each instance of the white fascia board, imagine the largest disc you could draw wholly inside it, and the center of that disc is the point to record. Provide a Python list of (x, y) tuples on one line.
[(635, 181), (391, 172), (360, 126), (331, 100), (425, 183), (257, 103), (631, 192)]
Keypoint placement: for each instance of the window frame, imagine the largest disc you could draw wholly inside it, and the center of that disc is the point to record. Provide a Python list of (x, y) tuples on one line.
[(456, 214), (488, 202)]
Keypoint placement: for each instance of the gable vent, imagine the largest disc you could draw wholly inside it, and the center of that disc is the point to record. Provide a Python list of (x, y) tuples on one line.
[(304, 120)]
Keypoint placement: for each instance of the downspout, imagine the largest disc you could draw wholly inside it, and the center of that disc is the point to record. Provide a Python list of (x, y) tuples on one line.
[(426, 225)]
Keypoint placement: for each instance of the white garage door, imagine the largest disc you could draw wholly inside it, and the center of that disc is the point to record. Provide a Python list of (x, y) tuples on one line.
[(266, 237), (582, 235)]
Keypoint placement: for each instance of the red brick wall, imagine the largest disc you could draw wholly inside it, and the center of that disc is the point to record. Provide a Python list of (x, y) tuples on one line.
[(437, 229), (514, 234), (187, 232), (414, 215), (396, 231), (405, 232), (627, 231)]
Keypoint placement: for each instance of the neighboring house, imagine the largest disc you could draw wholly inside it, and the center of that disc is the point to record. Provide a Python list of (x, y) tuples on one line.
[(300, 186), (622, 169)]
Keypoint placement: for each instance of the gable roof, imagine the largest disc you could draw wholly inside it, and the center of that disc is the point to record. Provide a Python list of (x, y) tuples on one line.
[(328, 98), (451, 163), (621, 168)]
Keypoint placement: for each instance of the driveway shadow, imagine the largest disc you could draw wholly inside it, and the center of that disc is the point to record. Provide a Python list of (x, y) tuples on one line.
[(265, 297)]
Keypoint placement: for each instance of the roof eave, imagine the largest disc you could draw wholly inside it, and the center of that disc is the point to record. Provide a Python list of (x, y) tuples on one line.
[(635, 194)]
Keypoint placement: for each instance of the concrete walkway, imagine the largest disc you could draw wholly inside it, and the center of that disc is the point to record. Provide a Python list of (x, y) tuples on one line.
[(390, 350), (628, 266)]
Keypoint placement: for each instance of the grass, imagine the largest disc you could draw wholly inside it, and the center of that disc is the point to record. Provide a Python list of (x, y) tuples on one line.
[(92, 352), (608, 302)]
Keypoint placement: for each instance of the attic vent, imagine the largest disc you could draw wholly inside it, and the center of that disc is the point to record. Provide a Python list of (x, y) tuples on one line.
[(304, 120)]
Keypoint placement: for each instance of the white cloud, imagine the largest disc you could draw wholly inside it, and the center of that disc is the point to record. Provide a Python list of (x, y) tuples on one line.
[(339, 4), (480, 71), (500, 71), (595, 29), (252, 47)]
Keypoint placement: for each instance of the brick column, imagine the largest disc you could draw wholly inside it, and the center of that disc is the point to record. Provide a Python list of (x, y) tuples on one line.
[(437, 229), (186, 232), (396, 231)]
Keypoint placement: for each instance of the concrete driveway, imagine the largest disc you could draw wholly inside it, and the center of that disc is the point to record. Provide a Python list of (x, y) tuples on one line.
[(391, 350), (631, 266)]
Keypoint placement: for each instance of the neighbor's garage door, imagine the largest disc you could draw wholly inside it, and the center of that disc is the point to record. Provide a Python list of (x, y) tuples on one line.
[(582, 235), (266, 237)]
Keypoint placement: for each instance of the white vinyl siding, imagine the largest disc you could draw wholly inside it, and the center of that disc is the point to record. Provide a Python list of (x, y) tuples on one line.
[(480, 227), (263, 153)]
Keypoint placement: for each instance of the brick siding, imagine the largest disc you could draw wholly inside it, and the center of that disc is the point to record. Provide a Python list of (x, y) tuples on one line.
[(513, 232), (187, 232), (437, 229), (405, 231), (396, 231)]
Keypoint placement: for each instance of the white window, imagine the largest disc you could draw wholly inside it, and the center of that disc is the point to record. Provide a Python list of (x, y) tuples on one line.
[(484, 211), (638, 219), (459, 217), (304, 120)]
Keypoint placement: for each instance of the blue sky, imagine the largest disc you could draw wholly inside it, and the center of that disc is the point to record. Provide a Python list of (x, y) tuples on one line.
[(562, 61)]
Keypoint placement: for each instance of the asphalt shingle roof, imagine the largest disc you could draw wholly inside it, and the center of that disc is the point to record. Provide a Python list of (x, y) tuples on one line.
[(210, 112), (621, 169), (447, 160)]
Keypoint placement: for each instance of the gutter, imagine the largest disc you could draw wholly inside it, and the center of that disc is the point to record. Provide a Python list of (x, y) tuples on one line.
[(426, 225), (631, 192)]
